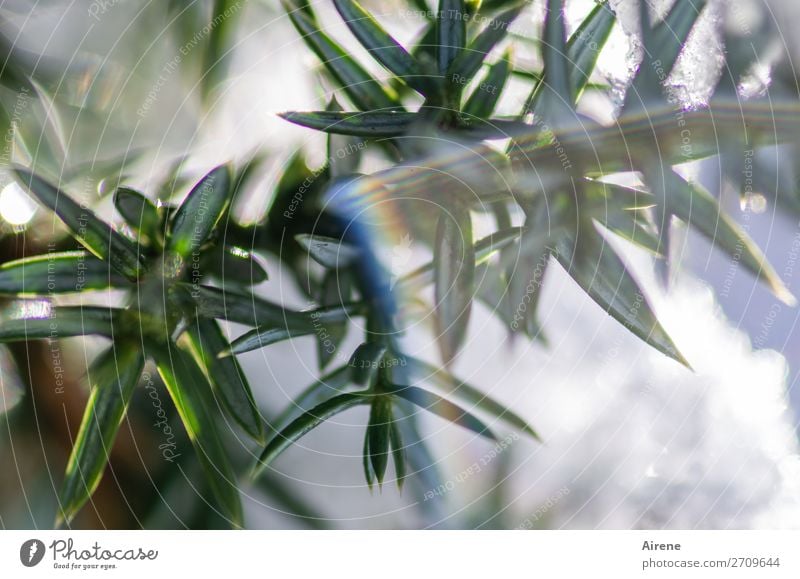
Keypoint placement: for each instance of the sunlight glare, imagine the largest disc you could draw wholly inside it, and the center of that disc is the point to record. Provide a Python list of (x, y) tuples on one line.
[(16, 207)]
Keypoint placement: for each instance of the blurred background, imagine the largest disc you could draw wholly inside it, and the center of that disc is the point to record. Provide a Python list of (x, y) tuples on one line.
[(136, 92)]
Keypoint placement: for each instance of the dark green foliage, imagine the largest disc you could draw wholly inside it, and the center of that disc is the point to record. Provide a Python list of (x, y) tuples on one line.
[(185, 268)]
